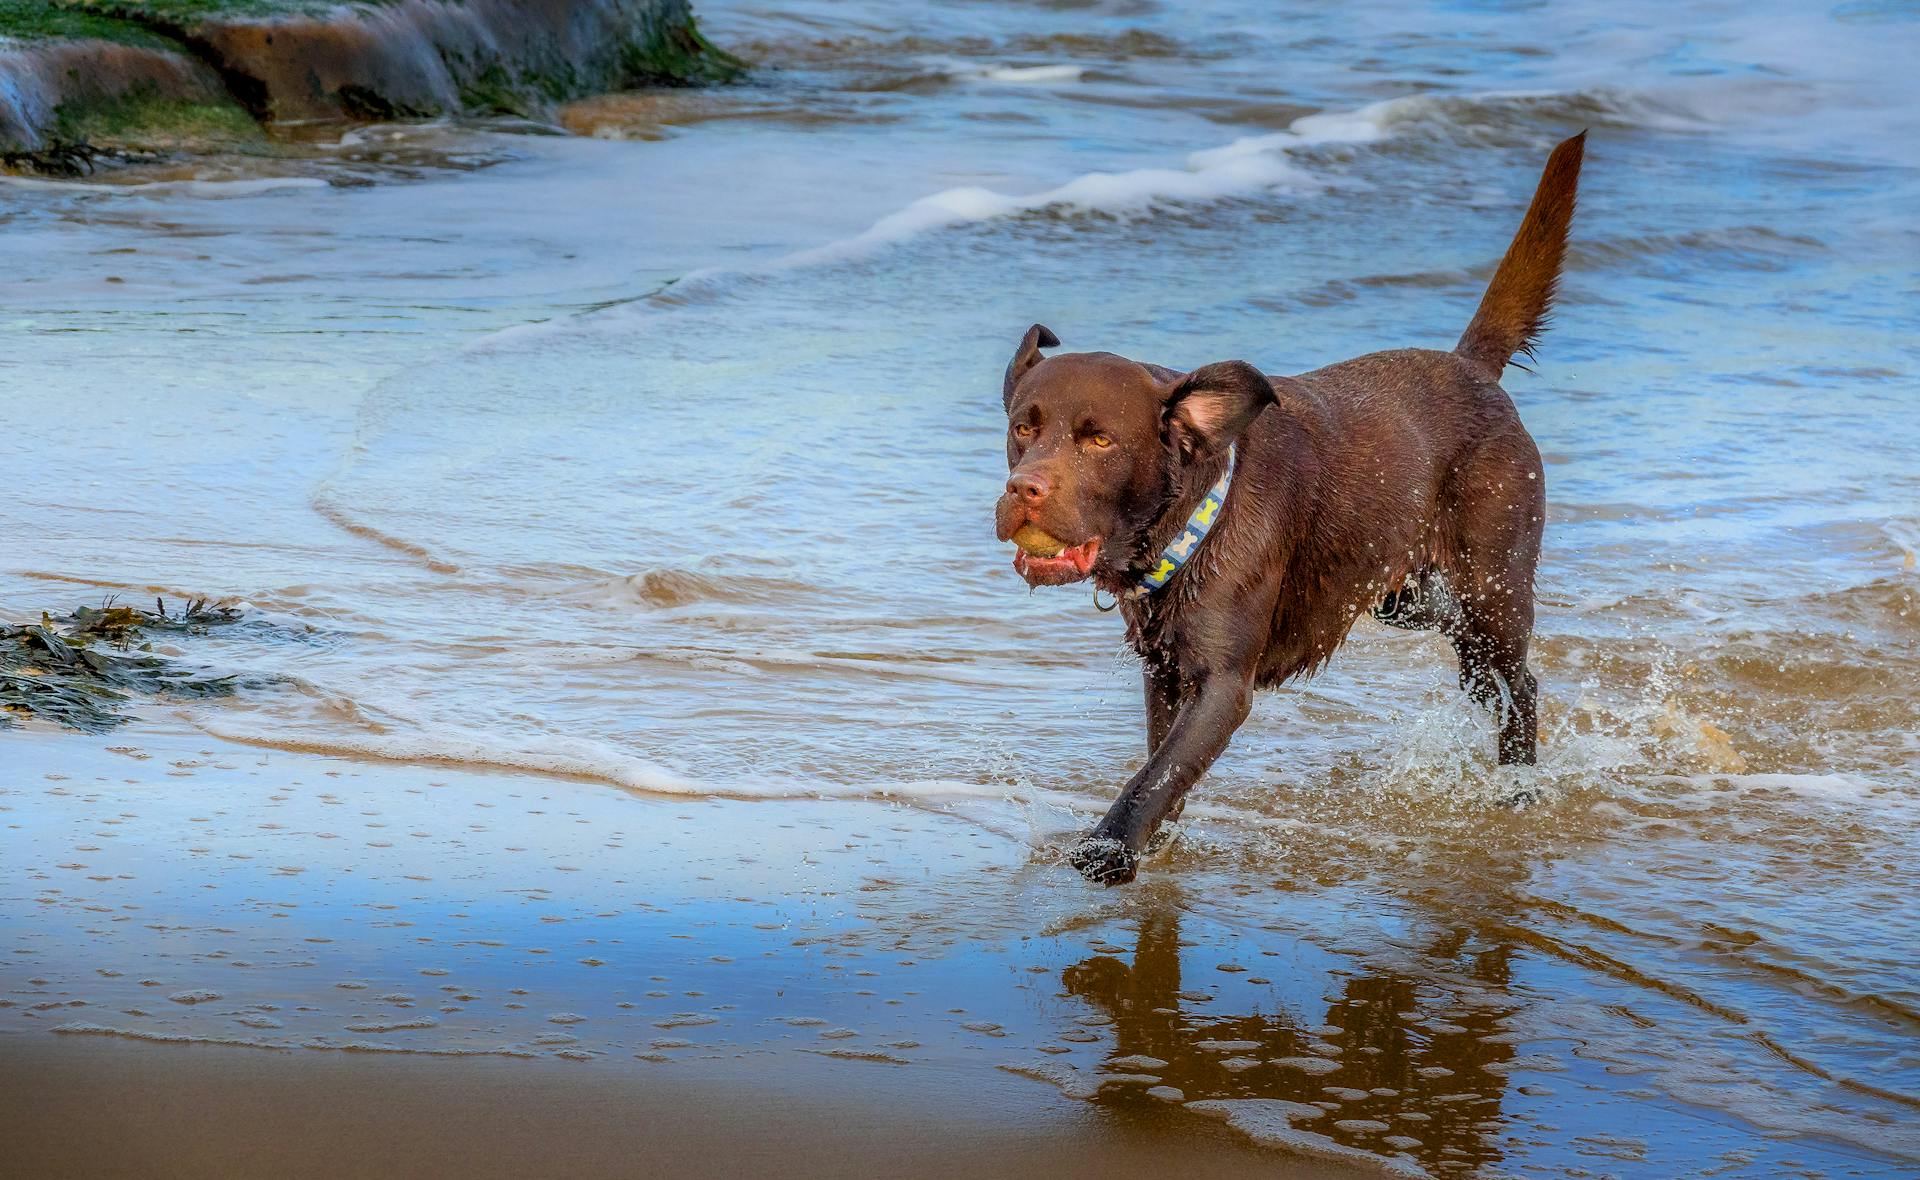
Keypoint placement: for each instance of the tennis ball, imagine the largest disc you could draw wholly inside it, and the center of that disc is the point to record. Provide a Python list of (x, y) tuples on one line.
[(1037, 542)]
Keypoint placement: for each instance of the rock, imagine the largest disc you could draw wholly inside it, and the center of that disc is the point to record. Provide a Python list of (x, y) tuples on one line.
[(420, 58), (158, 72), (107, 92)]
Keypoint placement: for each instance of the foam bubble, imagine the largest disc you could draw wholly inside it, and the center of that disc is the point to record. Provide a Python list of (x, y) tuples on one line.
[(1040, 75), (1034, 74)]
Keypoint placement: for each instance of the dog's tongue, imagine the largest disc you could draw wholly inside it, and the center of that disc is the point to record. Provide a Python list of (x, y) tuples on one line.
[(1072, 564)]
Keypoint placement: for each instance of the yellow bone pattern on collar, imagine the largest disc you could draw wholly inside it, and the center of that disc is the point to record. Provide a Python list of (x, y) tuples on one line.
[(1182, 547)]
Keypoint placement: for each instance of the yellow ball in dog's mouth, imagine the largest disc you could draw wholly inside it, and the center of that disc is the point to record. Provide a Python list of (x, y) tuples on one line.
[(1037, 542)]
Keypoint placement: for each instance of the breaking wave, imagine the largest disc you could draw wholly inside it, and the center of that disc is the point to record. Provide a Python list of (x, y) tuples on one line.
[(1293, 160)]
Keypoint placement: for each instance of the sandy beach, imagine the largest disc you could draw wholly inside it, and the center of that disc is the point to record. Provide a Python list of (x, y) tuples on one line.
[(130, 1110)]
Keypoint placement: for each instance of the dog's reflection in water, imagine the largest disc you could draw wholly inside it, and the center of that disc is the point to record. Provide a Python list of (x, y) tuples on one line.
[(1410, 1059)]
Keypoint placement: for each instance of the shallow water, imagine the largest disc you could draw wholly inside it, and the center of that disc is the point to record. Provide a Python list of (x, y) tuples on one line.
[(661, 459)]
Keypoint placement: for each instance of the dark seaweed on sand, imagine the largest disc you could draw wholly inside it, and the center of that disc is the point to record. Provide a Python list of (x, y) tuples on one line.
[(80, 670), (58, 157)]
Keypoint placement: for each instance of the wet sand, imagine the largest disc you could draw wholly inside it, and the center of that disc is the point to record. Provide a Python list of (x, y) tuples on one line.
[(334, 972), (401, 967), (113, 1109)]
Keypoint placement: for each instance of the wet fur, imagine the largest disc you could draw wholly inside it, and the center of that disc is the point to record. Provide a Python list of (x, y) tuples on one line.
[(1400, 482)]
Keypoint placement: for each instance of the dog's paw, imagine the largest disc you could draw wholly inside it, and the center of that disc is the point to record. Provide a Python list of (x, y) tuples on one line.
[(1104, 861)]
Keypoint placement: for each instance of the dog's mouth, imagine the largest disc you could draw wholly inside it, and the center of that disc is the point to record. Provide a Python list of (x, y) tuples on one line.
[(1069, 563)]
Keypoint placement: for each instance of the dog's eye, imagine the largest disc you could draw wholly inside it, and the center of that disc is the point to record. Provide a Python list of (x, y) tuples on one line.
[(1100, 439), (1022, 430)]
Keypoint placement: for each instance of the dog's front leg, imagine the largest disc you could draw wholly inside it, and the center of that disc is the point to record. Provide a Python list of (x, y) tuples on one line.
[(1162, 682), (1216, 705)]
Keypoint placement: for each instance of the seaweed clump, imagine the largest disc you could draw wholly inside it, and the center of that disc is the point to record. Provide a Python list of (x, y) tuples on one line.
[(79, 671), (70, 159), (58, 157)]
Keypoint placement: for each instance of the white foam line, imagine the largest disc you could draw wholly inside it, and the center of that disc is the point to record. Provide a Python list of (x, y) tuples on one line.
[(211, 189), (598, 761), (1245, 166), (965, 71), (1021, 75), (1049, 815), (85, 1029)]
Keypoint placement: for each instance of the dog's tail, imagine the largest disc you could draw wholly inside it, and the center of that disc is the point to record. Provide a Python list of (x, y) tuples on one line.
[(1516, 307)]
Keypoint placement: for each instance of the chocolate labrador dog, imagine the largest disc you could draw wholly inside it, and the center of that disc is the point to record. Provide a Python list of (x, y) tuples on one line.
[(1242, 522)]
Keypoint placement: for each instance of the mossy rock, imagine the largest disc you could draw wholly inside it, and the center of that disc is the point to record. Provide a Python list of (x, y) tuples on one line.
[(298, 60), (130, 90), (40, 20), (144, 119), (182, 14), (165, 73)]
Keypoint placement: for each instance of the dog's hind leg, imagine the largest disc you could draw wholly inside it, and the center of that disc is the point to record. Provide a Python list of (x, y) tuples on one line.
[(1493, 670), (1491, 640), (1499, 536)]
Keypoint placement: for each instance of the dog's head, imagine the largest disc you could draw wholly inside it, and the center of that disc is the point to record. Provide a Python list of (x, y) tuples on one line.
[(1096, 445)]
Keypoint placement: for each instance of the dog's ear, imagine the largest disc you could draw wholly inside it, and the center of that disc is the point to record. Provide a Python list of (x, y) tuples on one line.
[(1208, 408), (1026, 357)]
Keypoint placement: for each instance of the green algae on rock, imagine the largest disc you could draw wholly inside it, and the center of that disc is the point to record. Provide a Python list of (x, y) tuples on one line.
[(146, 117), (169, 73), (68, 76)]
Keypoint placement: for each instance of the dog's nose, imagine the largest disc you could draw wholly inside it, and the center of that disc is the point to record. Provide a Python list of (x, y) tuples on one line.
[(1029, 487)]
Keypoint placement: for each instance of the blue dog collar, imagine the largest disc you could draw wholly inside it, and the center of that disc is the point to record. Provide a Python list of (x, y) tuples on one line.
[(1184, 546)]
